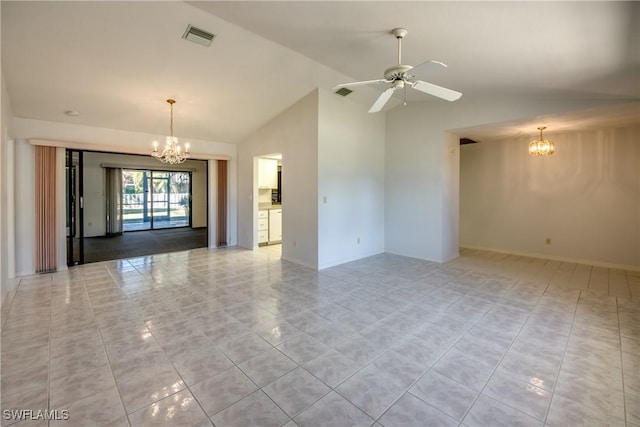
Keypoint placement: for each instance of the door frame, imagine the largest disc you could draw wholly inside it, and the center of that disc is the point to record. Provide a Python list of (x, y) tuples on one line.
[(74, 206)]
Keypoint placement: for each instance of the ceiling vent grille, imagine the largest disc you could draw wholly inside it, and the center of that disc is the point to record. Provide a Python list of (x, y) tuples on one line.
[(343, 91), (199, 36)]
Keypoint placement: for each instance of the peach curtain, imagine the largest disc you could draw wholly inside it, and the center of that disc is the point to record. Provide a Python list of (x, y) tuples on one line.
[(45, 192), (221, 223)]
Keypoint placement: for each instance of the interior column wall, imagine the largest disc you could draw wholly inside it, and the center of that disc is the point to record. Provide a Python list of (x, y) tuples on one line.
[(351, 195), (7, 236), (25, 207), (414, 186), (294, 134)]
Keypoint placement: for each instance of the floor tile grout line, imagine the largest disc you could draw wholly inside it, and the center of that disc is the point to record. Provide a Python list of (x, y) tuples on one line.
[(49, 351), (495, 369), (624, 399), (113, 375), (174, 367), (564, 354), (261, 388), (5, 317)]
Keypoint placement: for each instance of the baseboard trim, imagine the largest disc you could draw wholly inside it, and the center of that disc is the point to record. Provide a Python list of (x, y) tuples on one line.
[(350, 259), (299, 262), (452, 257), (555, 258)]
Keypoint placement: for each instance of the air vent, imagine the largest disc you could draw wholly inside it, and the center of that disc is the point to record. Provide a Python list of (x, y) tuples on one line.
[(343, 91), (465, 141), (199, 36)]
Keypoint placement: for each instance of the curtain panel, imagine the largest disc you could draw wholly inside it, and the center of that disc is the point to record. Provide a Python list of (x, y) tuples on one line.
[(221, 213), (114, 201), (45, 205)]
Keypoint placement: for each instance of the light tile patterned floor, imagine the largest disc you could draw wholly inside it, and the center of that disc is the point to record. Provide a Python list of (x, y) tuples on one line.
[(235, 337)]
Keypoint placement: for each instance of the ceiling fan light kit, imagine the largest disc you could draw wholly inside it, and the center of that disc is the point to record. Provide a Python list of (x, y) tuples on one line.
[(400, 76)]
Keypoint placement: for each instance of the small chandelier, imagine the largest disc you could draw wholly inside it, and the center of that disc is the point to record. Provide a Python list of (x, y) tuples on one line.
[(172, 152), (542, 147)]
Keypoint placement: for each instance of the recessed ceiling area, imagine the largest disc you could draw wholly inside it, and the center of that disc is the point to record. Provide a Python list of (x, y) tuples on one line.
[(622, 115)]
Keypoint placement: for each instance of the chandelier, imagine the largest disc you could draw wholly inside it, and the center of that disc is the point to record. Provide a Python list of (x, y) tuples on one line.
[(542, 147), (172, 152)]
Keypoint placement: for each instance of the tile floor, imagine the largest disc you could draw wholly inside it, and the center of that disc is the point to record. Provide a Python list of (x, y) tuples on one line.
[(239, 338)]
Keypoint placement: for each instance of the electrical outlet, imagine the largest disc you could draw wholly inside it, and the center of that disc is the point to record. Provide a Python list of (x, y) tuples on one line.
[(294, 243), (324, 199), (358, 240), (547, 240)]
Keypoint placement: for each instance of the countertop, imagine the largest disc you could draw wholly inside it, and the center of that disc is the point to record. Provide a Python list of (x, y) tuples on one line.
[(268, 206)]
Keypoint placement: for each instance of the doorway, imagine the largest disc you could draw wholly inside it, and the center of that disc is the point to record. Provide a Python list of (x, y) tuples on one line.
[(123, 205), (268, 200)]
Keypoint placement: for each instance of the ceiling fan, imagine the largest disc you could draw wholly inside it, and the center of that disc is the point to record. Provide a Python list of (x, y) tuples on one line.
[(400, 76)]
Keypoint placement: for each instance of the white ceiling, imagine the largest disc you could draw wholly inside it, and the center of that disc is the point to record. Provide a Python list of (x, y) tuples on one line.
[(117, 62)]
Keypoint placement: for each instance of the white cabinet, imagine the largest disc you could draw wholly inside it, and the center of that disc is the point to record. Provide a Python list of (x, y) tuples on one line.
[(263, 226), (269, 226), (275, 225), (267, 173)]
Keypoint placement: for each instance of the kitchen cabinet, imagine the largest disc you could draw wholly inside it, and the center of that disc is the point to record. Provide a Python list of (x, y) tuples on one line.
[(263, 226), (267, 173), (275, 226)]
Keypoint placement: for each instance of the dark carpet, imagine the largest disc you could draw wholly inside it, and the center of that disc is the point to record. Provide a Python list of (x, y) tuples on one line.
[(141, 243)]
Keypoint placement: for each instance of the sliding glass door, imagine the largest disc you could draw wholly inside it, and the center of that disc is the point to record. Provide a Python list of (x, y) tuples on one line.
[(156, 199)]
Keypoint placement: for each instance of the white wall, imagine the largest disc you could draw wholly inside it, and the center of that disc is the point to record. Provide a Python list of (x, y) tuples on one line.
[(421, 188), (294, 134), (25, 208), (450, 195), (94, 187), (351, 148), (585, 198), (7, 235), (25, 129)]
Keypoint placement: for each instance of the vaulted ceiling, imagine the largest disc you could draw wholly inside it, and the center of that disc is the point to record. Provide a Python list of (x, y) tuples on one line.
[(117, 62)]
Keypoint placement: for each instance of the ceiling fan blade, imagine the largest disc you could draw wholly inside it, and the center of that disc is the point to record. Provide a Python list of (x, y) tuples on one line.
[(382, 99), (426, 67), (367, 82), (439, 91)]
